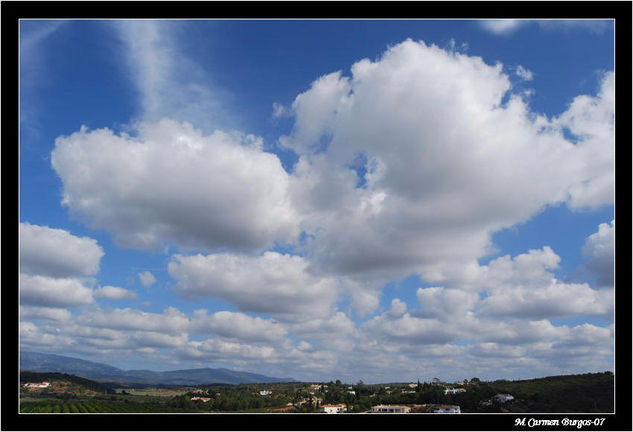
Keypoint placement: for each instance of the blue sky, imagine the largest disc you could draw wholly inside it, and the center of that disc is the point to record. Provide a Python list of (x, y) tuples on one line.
[(369, 199)]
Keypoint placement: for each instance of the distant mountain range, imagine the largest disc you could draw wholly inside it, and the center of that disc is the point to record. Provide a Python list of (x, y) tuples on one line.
[(40, 362)]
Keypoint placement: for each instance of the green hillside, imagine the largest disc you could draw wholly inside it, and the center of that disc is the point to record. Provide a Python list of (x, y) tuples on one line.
[(567, 393), (61, 383)]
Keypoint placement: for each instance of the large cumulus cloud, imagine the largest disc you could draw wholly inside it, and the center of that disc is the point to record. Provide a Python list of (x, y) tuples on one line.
[(170, 183), (444, 154)]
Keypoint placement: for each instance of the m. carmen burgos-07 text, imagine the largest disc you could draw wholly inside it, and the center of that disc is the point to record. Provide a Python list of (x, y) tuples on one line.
[(577, 423)]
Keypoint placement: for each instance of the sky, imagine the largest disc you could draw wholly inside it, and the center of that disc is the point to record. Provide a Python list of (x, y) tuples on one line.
[(375, 200)]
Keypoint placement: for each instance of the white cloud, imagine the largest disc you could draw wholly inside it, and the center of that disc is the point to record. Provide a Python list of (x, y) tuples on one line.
[(598, 253), (170, 321), (274, 283), (305, 346), (315, 112), (502, 27), (279, 110), (335, 332), (410, 329), (592, 120), (31, 336), (147, 278), (518, 287), (446, 163), (158, 340), (57, 253), (237, 326), (528, 268), (114, 293), (518, 332), (53, 269), (524, 74), (215, 350), (94, 338), (548, 351), (365, 297), (47, 313), (398, 308), (444, 303), (506, 27), (173, 184), (50, 292), (522, 287)]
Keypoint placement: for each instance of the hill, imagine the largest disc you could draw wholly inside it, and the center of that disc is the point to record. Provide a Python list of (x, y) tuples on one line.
[(591, 392), (40, 362), (61, 383)]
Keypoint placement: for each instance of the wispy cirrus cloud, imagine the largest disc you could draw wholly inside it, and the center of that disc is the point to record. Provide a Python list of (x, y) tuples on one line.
[(33, 73), (505, 27), (169, 83), (502, 27)]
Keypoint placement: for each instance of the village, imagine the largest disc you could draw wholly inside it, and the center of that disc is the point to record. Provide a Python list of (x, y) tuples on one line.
[(339, 398)]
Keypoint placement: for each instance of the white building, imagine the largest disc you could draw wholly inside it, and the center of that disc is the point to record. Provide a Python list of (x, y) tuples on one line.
[(265, 392), (203, 399), (396, 409), (454, 391), (333, 409), (43, 384), (503, 397), (447, 409)]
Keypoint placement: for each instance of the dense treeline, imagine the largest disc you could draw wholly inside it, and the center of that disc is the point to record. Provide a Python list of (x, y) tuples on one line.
[(569, 393), (566, 394)]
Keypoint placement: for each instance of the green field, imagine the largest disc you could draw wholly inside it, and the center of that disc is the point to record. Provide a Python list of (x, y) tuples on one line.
[(93, 406), (161, 392)]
